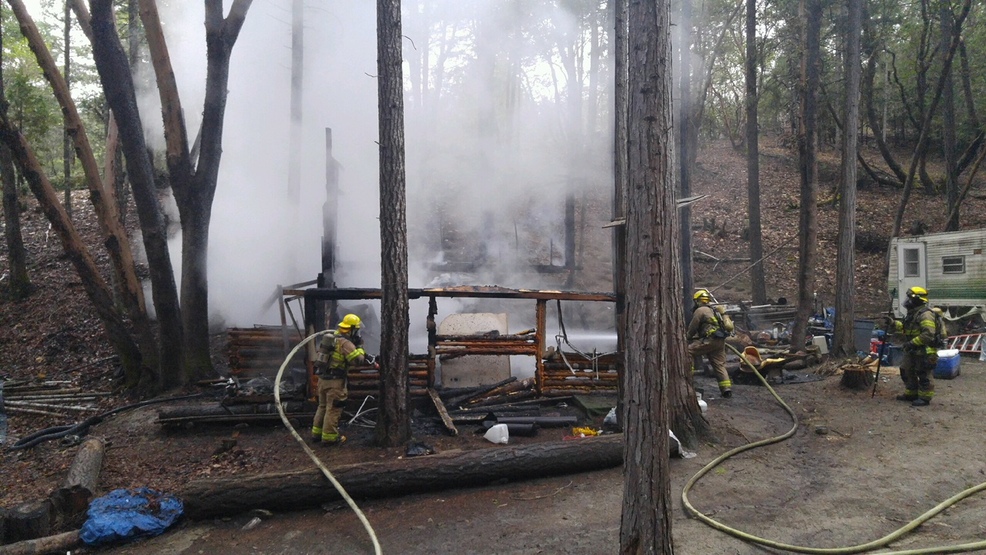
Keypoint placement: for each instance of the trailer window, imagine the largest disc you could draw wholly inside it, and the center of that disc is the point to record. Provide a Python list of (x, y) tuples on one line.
[(912, 263), (953, 264)]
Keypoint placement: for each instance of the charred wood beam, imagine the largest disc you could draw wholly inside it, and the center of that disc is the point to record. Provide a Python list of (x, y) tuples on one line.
[(526, 384), (506, 398), (518, 405), (169, 414), (455, 401), (555, 391), (324, 294), (442, 413)]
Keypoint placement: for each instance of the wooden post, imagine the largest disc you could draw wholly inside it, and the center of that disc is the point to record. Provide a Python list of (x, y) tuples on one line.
[(330, 219), (432, 337), (539, 334), (297, 74)]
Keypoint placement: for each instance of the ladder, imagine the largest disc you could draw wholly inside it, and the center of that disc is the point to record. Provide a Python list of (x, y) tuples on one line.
[(969, 343)]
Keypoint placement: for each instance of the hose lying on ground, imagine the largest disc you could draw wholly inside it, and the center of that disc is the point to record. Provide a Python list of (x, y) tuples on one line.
[(80, 429), (869, 546), (308, 450)]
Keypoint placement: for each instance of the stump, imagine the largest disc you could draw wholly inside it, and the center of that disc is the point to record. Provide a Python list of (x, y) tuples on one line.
[(28, 521), (857, 377)]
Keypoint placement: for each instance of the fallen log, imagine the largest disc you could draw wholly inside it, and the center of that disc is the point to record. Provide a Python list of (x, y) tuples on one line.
[(72, 499), (59, 543), (292, 491)]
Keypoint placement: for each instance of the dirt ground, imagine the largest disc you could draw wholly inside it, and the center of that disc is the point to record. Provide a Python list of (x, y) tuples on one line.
[(856, 469)]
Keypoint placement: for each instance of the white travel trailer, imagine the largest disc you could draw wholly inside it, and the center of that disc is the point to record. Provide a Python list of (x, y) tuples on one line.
[(951, 266)]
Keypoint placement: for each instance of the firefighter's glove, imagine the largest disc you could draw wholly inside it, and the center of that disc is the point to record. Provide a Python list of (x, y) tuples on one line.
[(370, 359), (889, 324), (911, 347)]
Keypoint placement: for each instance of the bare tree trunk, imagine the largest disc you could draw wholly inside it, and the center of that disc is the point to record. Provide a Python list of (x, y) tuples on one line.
[(879, 131), (394, 421), (970, 99), (758, 277), (96, 288), (114, 72), (115, 237), (707, 67), (845, 273), (925, 126), (807, 165), (195, 188), (948, 123), (195, 195), (620, 153), (66, 140), (20, 281), (655, 344), (684, 146)]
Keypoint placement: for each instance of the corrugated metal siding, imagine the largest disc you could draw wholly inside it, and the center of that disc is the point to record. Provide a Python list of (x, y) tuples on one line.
[(968, 288)]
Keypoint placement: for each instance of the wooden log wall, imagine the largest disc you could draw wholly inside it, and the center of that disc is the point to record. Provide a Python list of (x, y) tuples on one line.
[(259, 352), (365, 380), (576, 373)]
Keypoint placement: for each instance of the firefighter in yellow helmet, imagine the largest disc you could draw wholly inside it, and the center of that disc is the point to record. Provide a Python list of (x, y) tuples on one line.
[(337, 352), (920, 335), (706, 336)]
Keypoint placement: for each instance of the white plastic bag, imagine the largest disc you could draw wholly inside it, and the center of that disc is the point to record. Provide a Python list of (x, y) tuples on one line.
[(610, 419), (678, 448), (497, 433)]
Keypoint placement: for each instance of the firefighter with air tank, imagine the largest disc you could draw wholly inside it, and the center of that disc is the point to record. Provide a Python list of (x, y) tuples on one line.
[(922, 339), (337, 353), (707, 333)]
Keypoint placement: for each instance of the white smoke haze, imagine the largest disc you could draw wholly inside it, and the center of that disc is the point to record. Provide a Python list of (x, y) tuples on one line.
[(490, 156)]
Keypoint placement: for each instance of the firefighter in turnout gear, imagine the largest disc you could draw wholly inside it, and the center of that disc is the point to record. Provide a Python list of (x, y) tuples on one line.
[(920, 335), (337, 352), (706, 336)]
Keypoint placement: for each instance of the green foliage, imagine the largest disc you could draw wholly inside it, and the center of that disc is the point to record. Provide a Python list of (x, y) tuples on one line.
[(33, 106)]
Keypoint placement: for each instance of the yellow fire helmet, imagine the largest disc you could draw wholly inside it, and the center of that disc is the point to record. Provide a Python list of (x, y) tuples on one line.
[(702, 296), (349, 322), (919, 293)]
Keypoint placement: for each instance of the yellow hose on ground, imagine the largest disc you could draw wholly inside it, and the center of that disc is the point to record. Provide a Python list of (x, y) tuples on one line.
[(308, 450), (869, 546)]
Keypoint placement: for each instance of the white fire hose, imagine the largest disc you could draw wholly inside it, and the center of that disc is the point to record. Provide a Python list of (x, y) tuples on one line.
[(308, 450)]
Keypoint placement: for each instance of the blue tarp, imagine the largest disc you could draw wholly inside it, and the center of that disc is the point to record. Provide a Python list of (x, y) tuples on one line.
[(129, 514)]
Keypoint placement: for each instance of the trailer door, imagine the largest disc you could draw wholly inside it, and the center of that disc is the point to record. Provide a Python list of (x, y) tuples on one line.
[(912, 269)]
